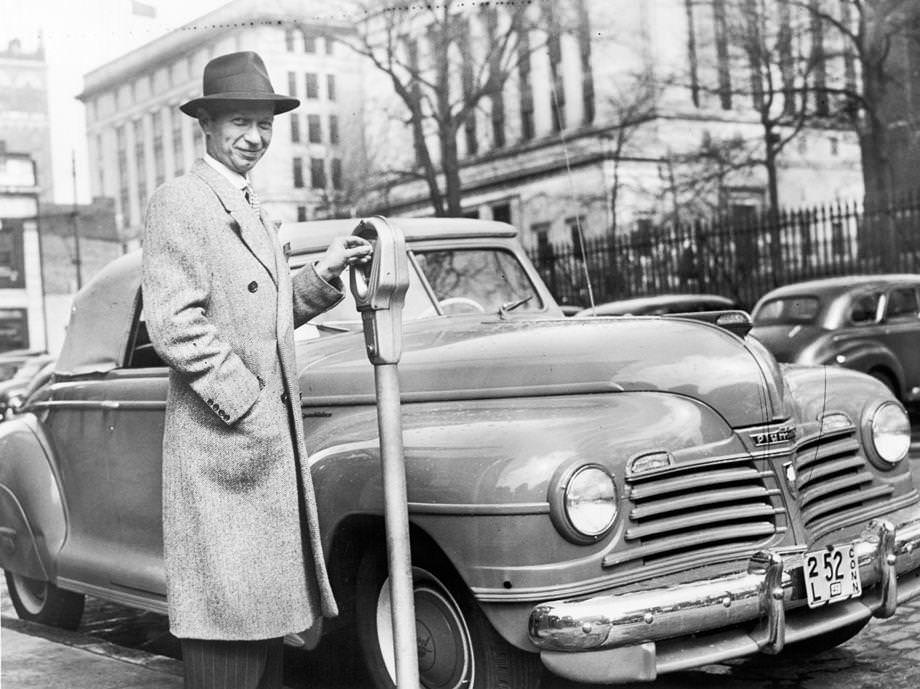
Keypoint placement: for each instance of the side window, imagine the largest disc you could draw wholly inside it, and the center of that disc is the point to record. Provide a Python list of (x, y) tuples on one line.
[(864, 308), (141, 353), (902, 304)]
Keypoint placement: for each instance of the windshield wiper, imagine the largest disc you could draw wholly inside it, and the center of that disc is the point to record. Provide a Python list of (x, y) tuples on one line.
[(509, 306)]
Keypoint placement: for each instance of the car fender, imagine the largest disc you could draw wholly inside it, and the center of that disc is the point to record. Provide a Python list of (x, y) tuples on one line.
[(33, 522), (866, 355), (479, 475)]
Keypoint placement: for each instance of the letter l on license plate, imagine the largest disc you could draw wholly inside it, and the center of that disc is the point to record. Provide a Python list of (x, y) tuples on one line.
[(831, 575)]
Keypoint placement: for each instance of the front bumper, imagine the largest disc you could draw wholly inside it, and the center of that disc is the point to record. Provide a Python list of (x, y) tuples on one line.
[(616, 637)]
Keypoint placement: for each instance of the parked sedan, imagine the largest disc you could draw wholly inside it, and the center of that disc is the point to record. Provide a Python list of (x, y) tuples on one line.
[(660, 304), (868, 323), (11, 390), (608, 498)]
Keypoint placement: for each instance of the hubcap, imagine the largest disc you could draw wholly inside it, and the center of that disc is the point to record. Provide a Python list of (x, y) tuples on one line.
[(445, 651), (32, 593)]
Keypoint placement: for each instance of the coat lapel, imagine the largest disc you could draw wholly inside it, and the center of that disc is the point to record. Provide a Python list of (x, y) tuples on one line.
[(251, 230)]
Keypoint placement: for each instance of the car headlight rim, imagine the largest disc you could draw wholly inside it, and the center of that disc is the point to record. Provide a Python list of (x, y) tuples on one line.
[(590, 515), (886, 434)]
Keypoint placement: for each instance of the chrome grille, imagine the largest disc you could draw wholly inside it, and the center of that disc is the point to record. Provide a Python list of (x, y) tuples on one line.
[(833, 479), (699, 508)]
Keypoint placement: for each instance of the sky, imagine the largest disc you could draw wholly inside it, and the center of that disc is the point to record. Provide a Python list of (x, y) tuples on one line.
[(80, 35)]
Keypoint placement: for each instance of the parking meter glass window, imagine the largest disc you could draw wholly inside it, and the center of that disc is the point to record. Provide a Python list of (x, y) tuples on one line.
[(484, 280)]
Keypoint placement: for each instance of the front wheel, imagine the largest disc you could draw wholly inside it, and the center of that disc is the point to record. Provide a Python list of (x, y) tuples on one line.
[(43, 602), (457, 646)]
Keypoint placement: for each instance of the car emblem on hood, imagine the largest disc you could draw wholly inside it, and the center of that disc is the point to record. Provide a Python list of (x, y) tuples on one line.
[(773, 436)]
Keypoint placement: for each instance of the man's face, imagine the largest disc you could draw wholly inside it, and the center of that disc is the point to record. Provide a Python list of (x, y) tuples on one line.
[(238, 137)]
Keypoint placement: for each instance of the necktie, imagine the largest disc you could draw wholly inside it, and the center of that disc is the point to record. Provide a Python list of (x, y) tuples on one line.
[(251, 198)]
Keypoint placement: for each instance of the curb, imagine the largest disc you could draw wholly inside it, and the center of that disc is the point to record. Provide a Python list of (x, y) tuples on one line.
[(82, 641)]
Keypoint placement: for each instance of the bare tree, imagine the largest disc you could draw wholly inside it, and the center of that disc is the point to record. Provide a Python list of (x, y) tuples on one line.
[(447, 65)]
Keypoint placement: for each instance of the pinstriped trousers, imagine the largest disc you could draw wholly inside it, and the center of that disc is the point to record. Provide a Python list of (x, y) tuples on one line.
[(211, 664)]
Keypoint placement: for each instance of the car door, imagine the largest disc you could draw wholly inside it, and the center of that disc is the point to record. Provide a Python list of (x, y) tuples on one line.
[(111, 466), (901, 333)]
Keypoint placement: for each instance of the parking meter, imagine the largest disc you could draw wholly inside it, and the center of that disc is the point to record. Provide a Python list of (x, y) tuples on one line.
[(379, 290)]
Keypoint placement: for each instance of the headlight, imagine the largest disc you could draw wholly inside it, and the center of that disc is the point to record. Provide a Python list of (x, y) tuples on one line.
[(888, 431), (584, 503)]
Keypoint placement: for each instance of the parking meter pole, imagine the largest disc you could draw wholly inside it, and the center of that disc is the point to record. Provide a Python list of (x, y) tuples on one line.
[(379, 292), (402, 603)]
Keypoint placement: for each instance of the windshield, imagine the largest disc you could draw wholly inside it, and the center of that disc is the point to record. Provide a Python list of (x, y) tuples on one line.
[(452, 281), (788, 311)]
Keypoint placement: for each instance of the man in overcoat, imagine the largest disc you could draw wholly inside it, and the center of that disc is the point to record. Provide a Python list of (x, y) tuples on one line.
[(244, 564)]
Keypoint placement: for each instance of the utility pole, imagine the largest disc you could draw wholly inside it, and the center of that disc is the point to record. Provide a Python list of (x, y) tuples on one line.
[(77, 262)]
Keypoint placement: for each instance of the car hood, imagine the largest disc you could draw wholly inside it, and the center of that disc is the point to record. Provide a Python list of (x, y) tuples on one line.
[(466, 358), (785, 342)]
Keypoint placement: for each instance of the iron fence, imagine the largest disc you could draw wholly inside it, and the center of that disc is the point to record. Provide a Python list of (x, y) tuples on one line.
[(741, 259)]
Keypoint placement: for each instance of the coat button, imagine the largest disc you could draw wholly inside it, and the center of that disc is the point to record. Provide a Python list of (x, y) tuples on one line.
[(284, 397), (253, 286)]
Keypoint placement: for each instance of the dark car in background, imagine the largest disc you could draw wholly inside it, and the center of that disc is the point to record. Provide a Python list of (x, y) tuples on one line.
[(869, 323), (660, 304), (14, 392)]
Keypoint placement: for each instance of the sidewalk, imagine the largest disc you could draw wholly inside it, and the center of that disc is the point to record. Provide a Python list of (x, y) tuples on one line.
[(33, 656)]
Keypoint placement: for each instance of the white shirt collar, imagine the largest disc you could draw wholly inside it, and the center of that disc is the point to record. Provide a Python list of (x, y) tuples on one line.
[(235, 178)]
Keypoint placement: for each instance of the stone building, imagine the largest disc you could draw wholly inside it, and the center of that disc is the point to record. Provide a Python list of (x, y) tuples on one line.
[(23, 322), (24, 124), (138, 138), (607, 100)]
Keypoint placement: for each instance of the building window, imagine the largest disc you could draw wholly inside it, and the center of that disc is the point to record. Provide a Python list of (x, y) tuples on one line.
[(576, 228), (333, 129), (12, 258), (330, 86), (14, 329), (314, 129), (100, 165), (336, 174), (501, 212), (301, 213), (554, 49), (159, 161), (525, 88), (835, 145), (295, 129), (309, 44), (140, 165), (292, 84), (721, 35), (298, 173), (540, 231), (317, 173), (312, 86), (330, 47), (197, 139), (587, 72), (289, 40), (178, 148), (122, 155)]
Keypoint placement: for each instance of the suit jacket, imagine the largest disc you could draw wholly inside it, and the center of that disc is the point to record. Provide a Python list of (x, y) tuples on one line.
[(240, 529)]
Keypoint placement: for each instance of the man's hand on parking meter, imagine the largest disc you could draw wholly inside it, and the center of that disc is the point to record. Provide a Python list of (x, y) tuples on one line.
[(343, 252)]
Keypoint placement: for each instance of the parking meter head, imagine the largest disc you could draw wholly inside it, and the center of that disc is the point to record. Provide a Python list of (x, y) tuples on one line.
[(380, 289)]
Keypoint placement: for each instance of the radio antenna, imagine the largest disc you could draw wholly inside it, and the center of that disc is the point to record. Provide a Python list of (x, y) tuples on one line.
[(578, 227)]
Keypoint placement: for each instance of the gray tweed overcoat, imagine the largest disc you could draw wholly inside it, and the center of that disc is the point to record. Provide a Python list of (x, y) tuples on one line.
[(240, 529)]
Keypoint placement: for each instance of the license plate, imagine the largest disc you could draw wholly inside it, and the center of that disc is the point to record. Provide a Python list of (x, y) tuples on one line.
[(831, 575)]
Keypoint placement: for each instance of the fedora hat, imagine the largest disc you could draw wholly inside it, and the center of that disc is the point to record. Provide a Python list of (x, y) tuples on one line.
[(237, 78)]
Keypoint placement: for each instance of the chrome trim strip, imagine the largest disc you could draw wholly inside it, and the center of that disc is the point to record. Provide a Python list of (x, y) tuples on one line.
[(616, 620), (131, 405), (118, 594), (478, 509)]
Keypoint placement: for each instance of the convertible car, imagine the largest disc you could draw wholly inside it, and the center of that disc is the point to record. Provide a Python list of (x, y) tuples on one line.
[(608, 498)]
